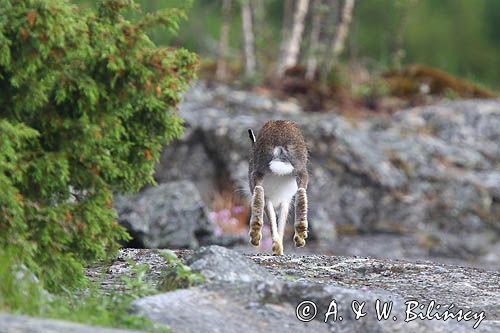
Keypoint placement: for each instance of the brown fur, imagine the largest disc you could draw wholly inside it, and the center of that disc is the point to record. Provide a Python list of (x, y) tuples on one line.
[(274, 133), (286, 134), (301, 224), (256, 220)]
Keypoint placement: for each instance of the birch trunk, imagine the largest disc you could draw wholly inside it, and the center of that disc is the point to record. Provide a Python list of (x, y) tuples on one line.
[(221, 72), (287, 23), (340, 37), (249, 39), (261, 32), (291, 51), (314, 45)]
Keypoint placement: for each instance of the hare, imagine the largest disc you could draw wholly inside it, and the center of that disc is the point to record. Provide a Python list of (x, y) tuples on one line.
[(278, 171)]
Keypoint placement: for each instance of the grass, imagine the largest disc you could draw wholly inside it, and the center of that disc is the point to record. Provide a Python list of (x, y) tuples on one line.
[(22, 293), (178, 275)]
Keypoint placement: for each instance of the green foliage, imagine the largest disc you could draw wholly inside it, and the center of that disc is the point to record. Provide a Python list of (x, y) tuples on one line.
[(372, 89), (111, 308), (136, 282), (454, 35), (21, 291), (177, 275), (86, 102)]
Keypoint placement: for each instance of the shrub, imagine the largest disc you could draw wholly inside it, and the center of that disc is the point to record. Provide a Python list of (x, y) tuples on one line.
[(86, 103)]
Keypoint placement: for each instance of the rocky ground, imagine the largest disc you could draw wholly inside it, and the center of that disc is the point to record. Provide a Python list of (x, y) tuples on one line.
[(420, 184), (261, 293), (257, 293)]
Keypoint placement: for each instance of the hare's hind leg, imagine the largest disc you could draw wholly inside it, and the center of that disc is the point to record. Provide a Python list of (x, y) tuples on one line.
[(301, 224), (257, 218)]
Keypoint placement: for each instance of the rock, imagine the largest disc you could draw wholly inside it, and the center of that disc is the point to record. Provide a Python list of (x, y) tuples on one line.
[(168, 215), (241, 296), (471, 123), (220, 264), (188, 159), (428, 173), (24, 324), (465, 287), (216, 311)]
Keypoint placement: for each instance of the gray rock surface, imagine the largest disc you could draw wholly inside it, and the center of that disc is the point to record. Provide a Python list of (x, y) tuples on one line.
[(424, 281), (217, 310), (256, 293), (432, 172), (221, 264), (168, 215), (24, 324)]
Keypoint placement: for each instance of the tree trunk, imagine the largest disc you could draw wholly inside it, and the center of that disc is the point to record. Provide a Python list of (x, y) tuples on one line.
[(340, 37), (221, 72), (287, 23), (288, 6), (314, 45), (261, 32), (291, 50), (249, 39)]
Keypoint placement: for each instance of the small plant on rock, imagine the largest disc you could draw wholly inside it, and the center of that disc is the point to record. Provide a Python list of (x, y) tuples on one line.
[(177, 275)]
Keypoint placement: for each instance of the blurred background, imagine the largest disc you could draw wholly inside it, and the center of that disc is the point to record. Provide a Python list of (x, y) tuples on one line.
[(419, 184), (459, 37), (398, 101)]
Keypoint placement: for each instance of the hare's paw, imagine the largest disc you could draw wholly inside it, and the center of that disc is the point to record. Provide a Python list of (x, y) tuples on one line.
[(255, 232), (277, 248), (255, 238), (299, 241)]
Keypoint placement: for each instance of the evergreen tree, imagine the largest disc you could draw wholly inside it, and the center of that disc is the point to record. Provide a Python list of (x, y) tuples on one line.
[(86, 103)]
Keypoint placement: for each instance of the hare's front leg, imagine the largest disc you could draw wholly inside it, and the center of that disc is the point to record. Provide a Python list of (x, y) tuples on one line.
[(282, 217), (271, 216)]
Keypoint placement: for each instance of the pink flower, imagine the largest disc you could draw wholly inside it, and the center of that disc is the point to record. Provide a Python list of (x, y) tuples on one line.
[(237, 209), (217, 230)]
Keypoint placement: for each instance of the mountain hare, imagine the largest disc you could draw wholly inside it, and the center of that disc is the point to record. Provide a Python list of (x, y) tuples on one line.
[(277, 171)]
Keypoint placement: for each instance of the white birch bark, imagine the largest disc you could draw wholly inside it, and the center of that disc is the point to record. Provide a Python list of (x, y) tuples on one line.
[(285, 28), (261, 32), (291, 51), (314, 46), (341, 35)]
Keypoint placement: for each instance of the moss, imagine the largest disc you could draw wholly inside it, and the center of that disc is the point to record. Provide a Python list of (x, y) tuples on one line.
[(409, 80)]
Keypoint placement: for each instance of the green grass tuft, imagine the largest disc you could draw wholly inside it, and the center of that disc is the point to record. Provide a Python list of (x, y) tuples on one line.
[(21, 292)]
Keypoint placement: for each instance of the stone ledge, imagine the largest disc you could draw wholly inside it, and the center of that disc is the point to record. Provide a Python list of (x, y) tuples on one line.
[(258, 289)]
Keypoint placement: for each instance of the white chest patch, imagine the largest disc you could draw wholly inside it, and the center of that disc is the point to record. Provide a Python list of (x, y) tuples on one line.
[(279, 189)]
